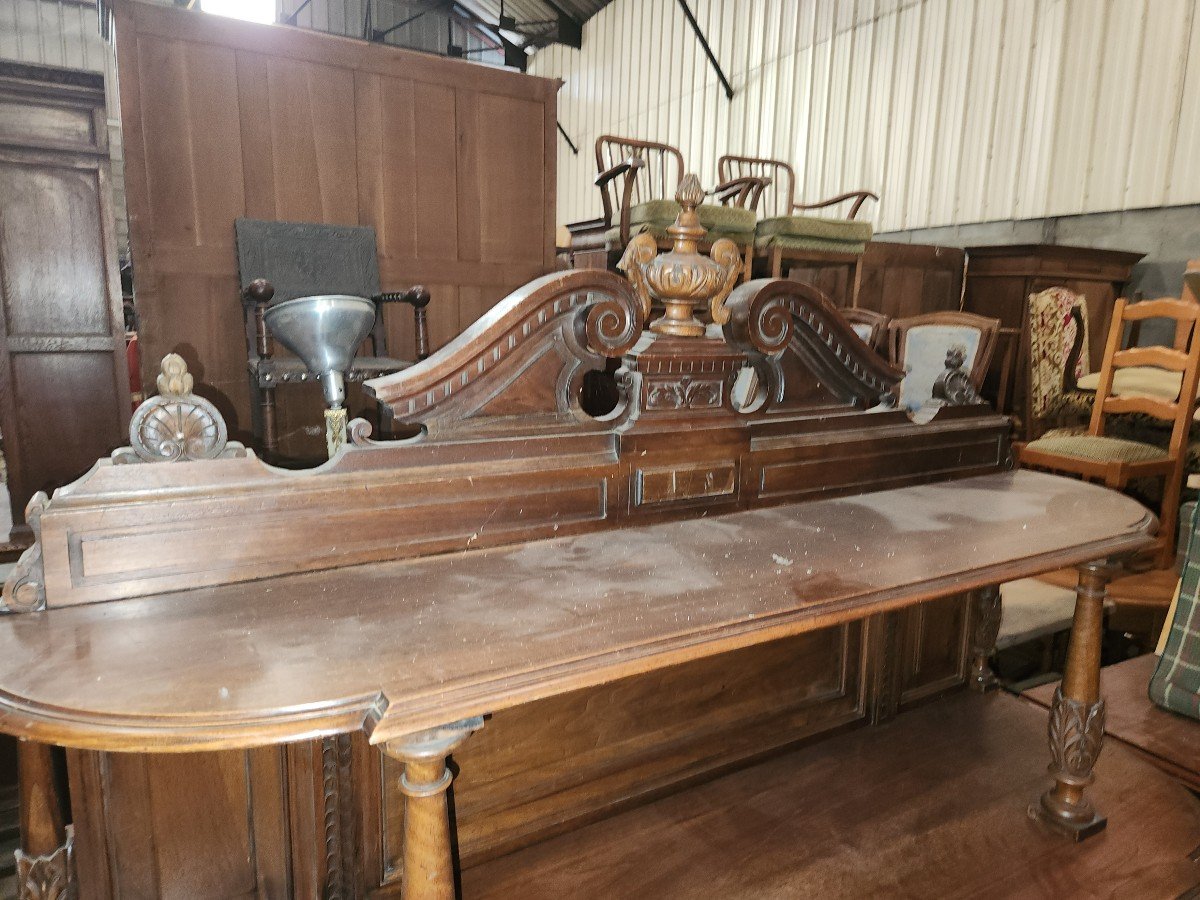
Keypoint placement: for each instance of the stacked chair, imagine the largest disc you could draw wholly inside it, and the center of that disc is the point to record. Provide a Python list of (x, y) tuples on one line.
[(787, 233), (754, 206), (637, 181)]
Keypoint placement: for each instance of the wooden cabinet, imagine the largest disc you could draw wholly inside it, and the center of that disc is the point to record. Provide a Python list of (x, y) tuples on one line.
[(64, 387), (999, 282), (325, 818)]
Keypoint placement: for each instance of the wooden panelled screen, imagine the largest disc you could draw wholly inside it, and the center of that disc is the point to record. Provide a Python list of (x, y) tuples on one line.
[(452, 162), (64, 386)]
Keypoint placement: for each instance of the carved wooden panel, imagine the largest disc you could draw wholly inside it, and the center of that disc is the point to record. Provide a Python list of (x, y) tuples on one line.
[(189, 825), (62, 339), (542, 769), (452, 163)]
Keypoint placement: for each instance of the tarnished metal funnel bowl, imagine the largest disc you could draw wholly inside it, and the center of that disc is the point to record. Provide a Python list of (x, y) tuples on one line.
[(324, 332)]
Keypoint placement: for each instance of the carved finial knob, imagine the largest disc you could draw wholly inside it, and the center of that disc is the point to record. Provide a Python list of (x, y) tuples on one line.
[(175, 380), (260, 291), (689, 194)]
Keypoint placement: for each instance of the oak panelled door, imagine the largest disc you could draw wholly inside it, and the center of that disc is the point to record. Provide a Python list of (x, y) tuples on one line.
[(64, 387)]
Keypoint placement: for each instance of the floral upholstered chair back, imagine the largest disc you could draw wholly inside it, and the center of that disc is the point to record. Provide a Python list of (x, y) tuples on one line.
[(922, 346), (1053, 330)]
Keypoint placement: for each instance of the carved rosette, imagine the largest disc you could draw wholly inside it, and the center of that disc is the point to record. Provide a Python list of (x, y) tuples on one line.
[(47, 877), (176, 425), (1076, 735)]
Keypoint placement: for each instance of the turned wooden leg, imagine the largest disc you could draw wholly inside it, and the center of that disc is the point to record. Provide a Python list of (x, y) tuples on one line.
[(428, 859), (1076, 729), (45, 860), (270, 437), (986, 610)]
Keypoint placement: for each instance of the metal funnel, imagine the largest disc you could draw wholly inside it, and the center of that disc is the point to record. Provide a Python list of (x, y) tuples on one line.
[(324, 332)]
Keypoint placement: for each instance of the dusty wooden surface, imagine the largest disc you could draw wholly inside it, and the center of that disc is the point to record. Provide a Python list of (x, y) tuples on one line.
[(396, 647), (930, 805)]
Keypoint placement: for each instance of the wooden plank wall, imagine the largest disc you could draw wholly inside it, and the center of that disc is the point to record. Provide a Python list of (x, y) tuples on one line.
[(898, 280), (453, 163)]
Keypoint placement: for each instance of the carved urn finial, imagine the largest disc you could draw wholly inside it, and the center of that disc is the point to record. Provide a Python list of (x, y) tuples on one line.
[(682, 278)]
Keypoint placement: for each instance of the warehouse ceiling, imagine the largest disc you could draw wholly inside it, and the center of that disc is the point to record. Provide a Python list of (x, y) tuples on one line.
[(536, 23)]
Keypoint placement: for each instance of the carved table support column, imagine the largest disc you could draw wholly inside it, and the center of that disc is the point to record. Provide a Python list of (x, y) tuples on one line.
[(986, 610), (1076, 729), (45, 861), (428, 859)]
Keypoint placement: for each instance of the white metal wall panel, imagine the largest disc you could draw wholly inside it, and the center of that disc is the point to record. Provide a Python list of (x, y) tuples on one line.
[(955, 111)]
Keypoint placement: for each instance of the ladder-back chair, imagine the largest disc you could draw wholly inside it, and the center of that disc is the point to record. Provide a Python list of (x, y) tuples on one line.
[(637, 181), (786, 232), (1118, 461)]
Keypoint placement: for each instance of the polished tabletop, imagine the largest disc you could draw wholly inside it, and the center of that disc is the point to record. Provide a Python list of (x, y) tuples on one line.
[(397, 647)]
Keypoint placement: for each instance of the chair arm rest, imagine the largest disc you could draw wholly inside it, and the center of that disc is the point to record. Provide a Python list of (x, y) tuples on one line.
[(634, 162), (416, 296), (1076, 349), (744, 191), (629, 169), (862, 196)]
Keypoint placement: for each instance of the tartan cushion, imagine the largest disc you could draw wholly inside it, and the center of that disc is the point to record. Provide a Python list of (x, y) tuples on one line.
[(1098, 449), (1175, 684)]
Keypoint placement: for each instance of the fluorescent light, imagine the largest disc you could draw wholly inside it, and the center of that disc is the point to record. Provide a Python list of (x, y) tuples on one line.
[(249, 10)]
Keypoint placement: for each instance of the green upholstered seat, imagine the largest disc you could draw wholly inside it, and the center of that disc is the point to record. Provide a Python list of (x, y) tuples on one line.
[(1097, 449), (813, 233), (656, 216)]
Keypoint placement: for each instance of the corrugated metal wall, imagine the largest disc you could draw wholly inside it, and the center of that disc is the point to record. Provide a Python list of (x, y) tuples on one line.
[(955, 111)]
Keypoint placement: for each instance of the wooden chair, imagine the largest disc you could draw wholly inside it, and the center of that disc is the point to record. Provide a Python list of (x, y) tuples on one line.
[(919, 345), (281, 261), (637, 181), (869, 325), (785, 233), (1118, 461)]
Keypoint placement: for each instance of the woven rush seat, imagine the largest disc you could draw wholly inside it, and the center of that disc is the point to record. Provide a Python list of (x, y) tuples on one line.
[(1097, 448)]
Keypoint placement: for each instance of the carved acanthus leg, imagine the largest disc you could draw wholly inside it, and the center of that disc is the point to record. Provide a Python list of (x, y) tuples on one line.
[(45, 861), (1076, 729), (985, 626), (428, 859)]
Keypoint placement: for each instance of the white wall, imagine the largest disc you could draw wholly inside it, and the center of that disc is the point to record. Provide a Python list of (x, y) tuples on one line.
[(955, 111)]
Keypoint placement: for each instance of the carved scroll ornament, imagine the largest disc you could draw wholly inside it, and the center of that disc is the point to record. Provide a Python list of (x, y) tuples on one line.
[(583, 315), (771, 315), (25, 587)]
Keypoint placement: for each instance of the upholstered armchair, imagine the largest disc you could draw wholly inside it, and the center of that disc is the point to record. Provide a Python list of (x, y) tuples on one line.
[(920, 346), (791, 232), (1058, 334), (637, 181)]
